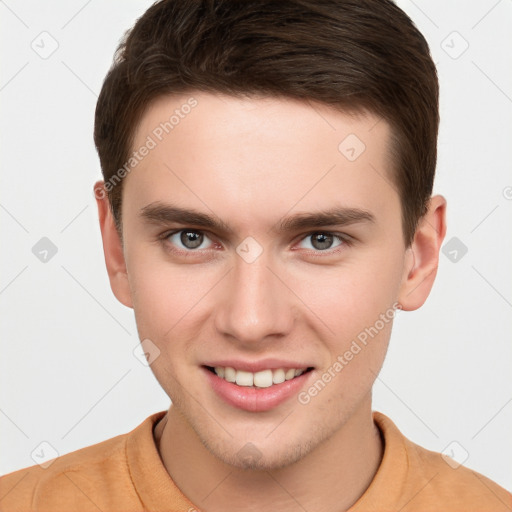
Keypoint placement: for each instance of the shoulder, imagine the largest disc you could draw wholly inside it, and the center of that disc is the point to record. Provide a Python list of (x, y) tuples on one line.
[(73, 481), (449, 480), (431, 480)]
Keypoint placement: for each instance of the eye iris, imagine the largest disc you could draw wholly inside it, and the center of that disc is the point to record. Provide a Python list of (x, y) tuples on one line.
[(191, 239), (321, 241)]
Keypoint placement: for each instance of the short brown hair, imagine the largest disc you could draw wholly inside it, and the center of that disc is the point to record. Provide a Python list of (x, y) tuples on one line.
[(353, 55)]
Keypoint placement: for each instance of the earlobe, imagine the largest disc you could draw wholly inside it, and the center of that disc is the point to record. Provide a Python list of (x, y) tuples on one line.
[(112, 247), (422, 257)]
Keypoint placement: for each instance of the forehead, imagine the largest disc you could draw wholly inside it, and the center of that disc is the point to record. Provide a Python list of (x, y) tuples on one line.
[(258, 157)]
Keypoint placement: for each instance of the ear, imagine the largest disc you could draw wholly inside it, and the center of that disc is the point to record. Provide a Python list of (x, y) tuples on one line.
[(112, 247), (422, 257)]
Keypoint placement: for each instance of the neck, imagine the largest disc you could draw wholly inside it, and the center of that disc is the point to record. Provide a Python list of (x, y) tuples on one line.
[(330, 478)]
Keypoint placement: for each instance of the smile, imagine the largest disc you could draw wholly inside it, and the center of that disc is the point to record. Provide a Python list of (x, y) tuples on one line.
[(260, 379), (256, 391)]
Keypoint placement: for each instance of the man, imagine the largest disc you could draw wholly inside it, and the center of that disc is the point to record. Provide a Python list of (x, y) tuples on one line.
[(266, 210)]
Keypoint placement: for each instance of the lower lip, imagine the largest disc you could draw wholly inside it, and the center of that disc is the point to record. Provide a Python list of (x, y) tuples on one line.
[(254, 399)]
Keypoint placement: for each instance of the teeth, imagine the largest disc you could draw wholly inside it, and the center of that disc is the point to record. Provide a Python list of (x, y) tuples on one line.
[(244, 378), (262, 379), (289, 374), (278, 376), (229, 374)]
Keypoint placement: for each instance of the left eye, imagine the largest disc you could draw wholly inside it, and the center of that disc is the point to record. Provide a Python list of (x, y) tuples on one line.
[(321, 241), (188, 239)]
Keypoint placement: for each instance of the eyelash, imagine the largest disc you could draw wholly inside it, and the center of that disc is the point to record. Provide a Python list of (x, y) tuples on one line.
[(346, 241)]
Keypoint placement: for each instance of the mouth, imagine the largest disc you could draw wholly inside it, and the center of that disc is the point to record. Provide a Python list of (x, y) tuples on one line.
[(261, 379), (257, 391)]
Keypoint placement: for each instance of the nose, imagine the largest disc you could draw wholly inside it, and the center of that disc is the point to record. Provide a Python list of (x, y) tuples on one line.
[(254, 306)]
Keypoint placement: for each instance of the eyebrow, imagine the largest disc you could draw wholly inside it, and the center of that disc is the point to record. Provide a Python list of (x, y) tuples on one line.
[(337, 216), (160, 213)]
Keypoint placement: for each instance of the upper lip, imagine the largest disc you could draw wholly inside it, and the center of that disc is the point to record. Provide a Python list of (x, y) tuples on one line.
[(257, 366)]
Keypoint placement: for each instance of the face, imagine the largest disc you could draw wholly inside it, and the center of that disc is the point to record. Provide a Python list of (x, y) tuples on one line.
[(262, 236)]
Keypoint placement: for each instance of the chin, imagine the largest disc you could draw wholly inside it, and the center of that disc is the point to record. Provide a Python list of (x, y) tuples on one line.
[(265, 456), (251, 458)]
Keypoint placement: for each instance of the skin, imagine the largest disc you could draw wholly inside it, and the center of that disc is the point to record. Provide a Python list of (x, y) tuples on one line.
[(251, 162)]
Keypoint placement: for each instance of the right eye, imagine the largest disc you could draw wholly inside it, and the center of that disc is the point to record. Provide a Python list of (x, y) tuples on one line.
[(187, 239)]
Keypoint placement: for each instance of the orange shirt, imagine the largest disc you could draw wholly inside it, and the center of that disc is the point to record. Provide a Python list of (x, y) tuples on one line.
[(126, 474)]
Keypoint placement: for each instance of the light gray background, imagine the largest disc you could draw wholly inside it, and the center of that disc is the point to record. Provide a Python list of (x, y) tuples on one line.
[(68, 373)]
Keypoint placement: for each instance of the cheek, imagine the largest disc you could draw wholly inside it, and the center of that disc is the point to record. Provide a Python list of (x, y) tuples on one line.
[(357, 302), (167, 306), (163, 293), (352, 296)]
